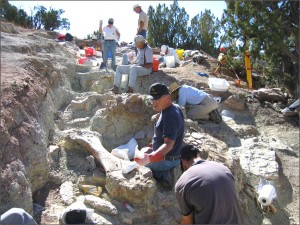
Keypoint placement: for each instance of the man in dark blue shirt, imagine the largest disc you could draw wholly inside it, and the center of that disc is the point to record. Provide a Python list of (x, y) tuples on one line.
[(168, 134)]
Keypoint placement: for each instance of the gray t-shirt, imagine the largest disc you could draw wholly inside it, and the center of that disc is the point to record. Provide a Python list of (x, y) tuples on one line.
[(207, 189), (144, 55)]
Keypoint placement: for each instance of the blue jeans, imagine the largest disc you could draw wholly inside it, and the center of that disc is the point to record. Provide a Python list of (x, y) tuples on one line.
[(110, 46), (160, 170), (143, 33)]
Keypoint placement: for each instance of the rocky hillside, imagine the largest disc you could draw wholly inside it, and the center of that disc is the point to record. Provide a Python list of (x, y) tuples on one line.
[(59, 124)]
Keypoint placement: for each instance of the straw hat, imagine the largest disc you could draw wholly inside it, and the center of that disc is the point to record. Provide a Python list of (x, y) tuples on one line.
[(173, 87)]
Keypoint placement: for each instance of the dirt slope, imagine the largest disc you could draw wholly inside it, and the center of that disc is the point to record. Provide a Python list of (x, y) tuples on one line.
[(15, 81)]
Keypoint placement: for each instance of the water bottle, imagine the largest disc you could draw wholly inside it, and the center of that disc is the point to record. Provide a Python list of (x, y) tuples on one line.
[(127, 206)]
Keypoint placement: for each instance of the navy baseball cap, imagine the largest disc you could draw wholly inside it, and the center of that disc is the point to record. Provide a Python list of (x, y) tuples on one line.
[(157, 90)]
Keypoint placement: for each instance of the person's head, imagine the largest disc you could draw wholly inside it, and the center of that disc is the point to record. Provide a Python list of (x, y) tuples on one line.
[(188, 154), (139, 41), (137, 8), (164, 49), (174, 91), (159, 96), (222, 49), (111, 21)]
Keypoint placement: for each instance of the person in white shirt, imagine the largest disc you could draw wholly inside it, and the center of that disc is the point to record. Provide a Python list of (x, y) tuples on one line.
[(111, 34), (142, 22), (167, 51), (198, 104)]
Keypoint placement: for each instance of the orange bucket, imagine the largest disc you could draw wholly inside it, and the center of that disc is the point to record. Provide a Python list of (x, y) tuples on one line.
[(155, 64)]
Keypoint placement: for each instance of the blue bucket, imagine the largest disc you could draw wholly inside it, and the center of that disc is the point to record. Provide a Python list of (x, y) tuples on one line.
[(109, 55)]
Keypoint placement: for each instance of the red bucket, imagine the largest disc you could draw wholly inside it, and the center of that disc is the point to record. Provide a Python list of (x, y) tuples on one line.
[(155, 64), (89, 52), (81, 60)]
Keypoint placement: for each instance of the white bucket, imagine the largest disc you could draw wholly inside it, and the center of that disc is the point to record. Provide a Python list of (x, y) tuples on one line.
[(170, 61), (124, 81)]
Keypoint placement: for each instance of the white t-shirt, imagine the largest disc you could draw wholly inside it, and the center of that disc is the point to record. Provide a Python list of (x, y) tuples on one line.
[(110, 33), (143, 17)]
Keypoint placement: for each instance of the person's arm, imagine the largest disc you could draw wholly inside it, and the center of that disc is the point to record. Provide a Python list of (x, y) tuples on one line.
[(118, 33), (187, 219), (148, 57), (158, 155), (141, 26), (100, 27), (148, 65)]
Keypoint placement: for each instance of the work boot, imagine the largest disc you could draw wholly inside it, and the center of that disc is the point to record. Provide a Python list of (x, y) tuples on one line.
[(129, 90), (215, 116), (114, 89)]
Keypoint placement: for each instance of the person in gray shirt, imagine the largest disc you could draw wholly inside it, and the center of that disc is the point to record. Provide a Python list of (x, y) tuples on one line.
[(205, 192), (143, 66)]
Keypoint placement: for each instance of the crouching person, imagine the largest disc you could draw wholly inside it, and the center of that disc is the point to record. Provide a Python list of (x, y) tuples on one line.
[(206, 192), (168, 51), (198, 104), (168, 136)]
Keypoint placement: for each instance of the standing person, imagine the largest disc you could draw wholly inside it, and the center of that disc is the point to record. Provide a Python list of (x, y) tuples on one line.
[(142, 22), (167, 51), (111, 34), (143, 66), (168, 135), (198, 104), (205, 192), (101, 38)]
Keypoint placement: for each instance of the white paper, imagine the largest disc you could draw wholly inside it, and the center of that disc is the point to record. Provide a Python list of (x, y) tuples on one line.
[(266, 195)]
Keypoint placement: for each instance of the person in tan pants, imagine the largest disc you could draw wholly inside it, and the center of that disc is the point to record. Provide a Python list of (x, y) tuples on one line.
[(198, 104)]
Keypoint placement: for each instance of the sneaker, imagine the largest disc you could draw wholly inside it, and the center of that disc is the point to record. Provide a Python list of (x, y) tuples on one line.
[(114, 89), (215, 116), (129, 90)]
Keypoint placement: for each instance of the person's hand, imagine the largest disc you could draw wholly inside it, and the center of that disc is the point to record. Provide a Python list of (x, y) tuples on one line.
[(147, 149), (143, 161)]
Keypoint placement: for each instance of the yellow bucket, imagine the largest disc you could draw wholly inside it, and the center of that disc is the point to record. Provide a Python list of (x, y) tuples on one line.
[(180, 53)]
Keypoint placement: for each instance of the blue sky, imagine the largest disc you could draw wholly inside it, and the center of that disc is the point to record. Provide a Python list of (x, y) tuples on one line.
[(84, 16)]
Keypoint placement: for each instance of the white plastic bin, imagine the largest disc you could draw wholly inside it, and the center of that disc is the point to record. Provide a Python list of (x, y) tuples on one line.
[(170, 61), (218, 84)]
